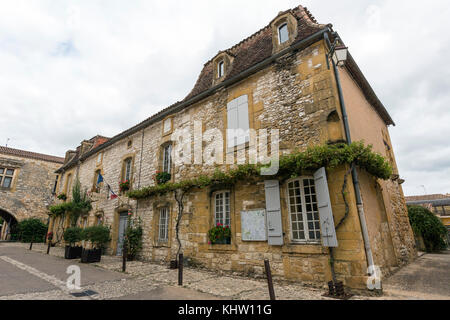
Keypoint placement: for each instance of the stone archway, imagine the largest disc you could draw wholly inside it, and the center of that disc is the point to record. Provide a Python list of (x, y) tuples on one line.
[(8, 228)]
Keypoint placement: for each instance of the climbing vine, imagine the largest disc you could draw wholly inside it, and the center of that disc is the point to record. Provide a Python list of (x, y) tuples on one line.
[(292, 165)]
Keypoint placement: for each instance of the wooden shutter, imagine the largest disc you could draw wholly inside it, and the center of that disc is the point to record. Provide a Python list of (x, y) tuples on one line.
[(243, 119), (326, 214), (273, 208)]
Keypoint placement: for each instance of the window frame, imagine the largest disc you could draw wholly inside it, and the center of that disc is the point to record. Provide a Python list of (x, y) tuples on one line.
[(170, 160), (165, 231), (5, 175), (68, 185), (285, 24), (224, 218), (220, 69), (128, 160), (304, 212)]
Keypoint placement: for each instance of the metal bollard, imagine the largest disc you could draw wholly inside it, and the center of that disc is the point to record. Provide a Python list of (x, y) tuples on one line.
[(269, 280), (124, 257), (49, 245), (31, 243), (340, 292), (180, 269)]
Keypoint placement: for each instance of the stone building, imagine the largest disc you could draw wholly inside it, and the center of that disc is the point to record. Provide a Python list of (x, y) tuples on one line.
[(27, 180), (279, 78)]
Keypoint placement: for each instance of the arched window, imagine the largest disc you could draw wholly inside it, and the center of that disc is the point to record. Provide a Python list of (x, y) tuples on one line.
[(220, 69), (283, 33)]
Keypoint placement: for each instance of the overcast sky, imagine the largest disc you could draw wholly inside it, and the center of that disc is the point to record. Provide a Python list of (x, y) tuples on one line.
[(70, 70)]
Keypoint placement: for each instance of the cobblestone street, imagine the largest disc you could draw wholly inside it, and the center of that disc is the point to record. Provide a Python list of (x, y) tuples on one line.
[(147, 281)]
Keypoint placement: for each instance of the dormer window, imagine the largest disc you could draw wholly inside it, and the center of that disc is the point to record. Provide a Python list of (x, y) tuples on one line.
[(220, 69), (283, 33)]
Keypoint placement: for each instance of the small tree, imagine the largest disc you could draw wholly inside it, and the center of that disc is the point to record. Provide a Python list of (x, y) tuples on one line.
[(73, 235), (80, 204), (426, 225), (32, 229), (99, 236), (133, 237)]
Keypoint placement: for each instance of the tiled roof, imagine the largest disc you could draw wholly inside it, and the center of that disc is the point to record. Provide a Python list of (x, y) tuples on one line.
[(254, 49), (429, 197), (30, 155)]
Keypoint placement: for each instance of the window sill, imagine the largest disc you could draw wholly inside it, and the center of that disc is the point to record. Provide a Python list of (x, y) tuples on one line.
[(5, 189), (161, 245), (222, 247), (304, 248)]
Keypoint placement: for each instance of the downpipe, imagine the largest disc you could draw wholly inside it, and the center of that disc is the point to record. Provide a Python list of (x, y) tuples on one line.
[(356, 185)]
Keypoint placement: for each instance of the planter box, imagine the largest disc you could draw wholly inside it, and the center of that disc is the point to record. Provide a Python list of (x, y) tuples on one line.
[(72, 252), (224, 241), (91, 256)]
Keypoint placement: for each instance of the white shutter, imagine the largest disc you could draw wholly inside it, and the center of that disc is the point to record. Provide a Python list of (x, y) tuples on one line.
[(233, 124), (273, 208), (243, 120), (327, 226)]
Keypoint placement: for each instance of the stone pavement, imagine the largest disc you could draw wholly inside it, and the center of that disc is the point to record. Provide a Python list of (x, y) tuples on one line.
[(149, 281)]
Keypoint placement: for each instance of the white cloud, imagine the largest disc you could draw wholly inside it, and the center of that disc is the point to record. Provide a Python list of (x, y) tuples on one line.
[(72, 69)]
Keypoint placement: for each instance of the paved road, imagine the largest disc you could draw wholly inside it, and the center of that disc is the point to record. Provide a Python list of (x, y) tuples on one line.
[(33, 275), (425, 279)]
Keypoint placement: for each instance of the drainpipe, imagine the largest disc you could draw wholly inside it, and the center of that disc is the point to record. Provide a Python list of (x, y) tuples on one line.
[(359, 201)]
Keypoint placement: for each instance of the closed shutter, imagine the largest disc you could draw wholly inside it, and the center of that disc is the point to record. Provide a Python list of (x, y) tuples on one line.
[(233, 124), (327, 226), (238, 121), (273, 208)]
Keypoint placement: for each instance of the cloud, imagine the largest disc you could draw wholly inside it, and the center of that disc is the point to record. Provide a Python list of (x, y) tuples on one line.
[(71, 70)]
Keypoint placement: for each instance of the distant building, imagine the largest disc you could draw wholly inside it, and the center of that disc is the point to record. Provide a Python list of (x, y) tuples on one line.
[(27, 180)]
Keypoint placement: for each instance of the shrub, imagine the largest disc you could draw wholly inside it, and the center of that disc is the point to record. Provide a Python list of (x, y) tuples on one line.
[(72, 235), (98, 235), (162, 177), (426, 225), (62, 197), (32, 229), (134, 237)]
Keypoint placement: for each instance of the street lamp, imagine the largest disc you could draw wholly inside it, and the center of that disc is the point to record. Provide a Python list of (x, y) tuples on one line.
[(340, 55)]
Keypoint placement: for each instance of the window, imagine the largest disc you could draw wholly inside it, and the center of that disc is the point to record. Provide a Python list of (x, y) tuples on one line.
[(303, 210), (99, 158), (163, 227), (69, 184), (127, 169), (6, 177), (55, 185), (96, 187), (167, 158), (238, 122), (222, 208), (129, 144), (283, 33), (220, 69)]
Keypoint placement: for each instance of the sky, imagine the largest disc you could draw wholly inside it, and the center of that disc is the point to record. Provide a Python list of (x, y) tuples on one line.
[(70, 70)]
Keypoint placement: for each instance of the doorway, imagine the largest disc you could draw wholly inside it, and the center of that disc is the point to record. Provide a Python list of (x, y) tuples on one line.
[(123, 223)]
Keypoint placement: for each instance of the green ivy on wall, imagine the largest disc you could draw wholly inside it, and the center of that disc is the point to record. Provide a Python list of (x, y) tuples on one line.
[(292, 165)]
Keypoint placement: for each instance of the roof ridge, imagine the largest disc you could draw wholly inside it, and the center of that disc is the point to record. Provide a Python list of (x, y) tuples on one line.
[(31, 154)]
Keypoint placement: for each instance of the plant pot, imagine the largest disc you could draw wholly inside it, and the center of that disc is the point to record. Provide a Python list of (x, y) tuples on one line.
[(72, 252), (91, 255), (173, 264)]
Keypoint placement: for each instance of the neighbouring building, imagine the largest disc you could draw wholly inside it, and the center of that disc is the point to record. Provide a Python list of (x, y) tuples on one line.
[(27, 180), (278, 78), (439, 204)]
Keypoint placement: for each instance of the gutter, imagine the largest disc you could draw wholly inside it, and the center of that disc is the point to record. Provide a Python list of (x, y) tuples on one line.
[(178, 107), (356, 185)]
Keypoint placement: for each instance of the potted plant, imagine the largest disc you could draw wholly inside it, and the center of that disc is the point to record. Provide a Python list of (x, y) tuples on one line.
[(220, 234), (124, 186), (99, 236), (162, 177), (72, 236), (62, 197)]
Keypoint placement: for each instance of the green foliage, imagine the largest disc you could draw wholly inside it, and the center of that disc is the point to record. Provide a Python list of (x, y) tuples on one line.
[(133, 237), (429, 227), (219, 233), (32, 229), (80, 205), (62, 197), (72, 235), (293, 165), (98, 235), (162, 177), (1, 220)]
